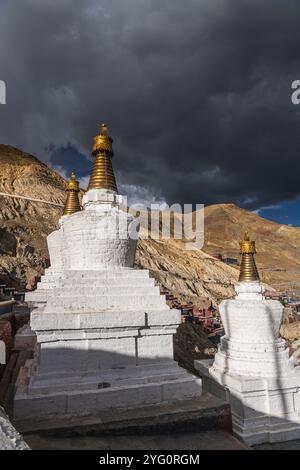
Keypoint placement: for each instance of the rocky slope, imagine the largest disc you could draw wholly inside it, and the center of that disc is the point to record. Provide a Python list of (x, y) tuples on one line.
[(190, 275), (24, 224)]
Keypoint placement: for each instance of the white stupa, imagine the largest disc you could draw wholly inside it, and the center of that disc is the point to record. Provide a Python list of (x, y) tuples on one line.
[(252, 368), (104, 332)]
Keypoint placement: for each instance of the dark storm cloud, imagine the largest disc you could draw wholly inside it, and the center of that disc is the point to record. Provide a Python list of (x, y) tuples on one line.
[(68, 158), (197, 93)]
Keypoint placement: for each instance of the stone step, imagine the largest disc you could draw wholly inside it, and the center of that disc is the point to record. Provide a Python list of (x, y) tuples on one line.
[(107, 301), (113, 282), (106, 274), (169, 440), (93, 383), (136, 374), (46, 286), (87, 277), (49, 280), (35, 293), (205, 412), (51, 277), (52, 274), (52, 271), (60, 318), (96, 291)]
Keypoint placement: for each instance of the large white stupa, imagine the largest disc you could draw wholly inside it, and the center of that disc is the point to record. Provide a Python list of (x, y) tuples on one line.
[(104, 333), (252, 368)]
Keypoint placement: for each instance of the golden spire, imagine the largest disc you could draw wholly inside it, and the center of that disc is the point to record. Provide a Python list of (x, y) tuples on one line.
[(72, 204), (248, 270), (103, 174)]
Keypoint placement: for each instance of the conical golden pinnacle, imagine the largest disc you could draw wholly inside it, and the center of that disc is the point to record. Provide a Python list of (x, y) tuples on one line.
[(72, 204), (248, 270), (103, 174)]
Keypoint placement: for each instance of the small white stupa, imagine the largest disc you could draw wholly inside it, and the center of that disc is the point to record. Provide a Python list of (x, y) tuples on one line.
[(104, 332), (252, 368)]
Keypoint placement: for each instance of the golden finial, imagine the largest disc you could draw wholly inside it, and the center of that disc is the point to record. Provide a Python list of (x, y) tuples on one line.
[(104, 130), (72, 204), (248, 270), (102, 174)]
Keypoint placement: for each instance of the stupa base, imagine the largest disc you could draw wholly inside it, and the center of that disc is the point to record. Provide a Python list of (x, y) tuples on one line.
[(74, 397), (204, 413), (263, 409)]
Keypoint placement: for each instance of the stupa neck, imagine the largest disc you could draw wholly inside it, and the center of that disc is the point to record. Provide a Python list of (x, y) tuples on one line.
[(72, 204), (248, 269), (101, 199), (102, 176), (249, 290)]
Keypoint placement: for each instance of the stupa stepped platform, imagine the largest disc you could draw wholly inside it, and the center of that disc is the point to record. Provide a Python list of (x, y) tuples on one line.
[(89, 283), (103, 289), (65, 278)]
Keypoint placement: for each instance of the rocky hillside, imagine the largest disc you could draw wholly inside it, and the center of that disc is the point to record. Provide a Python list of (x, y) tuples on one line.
[(190, 275), (24, 224)]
